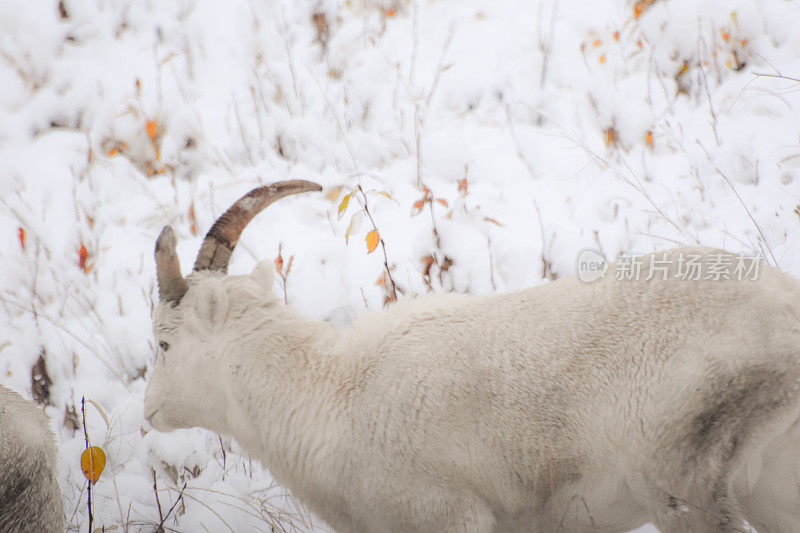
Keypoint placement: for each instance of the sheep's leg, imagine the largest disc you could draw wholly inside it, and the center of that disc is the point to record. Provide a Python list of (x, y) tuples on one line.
[(688, 506), (771, 493), (469, 515), (701, 521)]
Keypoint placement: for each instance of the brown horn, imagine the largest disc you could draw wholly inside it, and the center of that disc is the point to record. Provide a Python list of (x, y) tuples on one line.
[(171, 285), (224, 234)]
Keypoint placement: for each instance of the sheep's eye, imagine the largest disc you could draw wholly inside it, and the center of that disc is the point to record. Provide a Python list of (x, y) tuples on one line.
[(163, 345)]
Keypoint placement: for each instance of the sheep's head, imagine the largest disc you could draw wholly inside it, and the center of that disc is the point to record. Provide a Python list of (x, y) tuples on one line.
[(196, 316)]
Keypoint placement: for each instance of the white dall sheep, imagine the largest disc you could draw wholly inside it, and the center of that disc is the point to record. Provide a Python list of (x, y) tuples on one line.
[(570, 406), (30, 500)]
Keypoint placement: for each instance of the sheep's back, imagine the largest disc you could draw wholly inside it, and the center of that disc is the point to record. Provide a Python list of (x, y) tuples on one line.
[(30, 500)]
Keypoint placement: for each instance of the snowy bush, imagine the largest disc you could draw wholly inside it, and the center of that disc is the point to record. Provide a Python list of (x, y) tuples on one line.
[(539, 129)]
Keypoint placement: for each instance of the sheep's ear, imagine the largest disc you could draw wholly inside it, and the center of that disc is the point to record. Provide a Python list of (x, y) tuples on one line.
[(212, 305), (264, 274)]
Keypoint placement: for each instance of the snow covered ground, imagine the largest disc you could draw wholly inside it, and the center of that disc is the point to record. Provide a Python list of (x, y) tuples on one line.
[(540, 128)]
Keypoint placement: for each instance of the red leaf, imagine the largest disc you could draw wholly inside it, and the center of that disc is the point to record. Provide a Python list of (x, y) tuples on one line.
[(83, 255), (21, 234), (279, 264)]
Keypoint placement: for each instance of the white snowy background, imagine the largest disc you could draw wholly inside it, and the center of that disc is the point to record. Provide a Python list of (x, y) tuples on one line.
[(541, 128)]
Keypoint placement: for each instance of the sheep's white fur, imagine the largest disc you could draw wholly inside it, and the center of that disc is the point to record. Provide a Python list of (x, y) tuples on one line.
[(30, 500), (570, 406)]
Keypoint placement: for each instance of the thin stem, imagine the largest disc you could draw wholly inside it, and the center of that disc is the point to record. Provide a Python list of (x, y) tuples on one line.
[(89, 486), (158, 502), (180, 497), (383, 245), (752, 219)]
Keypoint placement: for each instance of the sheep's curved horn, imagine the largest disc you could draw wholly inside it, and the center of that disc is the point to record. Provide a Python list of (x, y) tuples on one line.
[(223, 235), (171, 285)]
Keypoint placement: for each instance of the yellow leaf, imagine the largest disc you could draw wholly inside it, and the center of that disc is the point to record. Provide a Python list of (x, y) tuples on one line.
[(93, 461), (333, 193), (373, 238), (385, 195), (343, 205)]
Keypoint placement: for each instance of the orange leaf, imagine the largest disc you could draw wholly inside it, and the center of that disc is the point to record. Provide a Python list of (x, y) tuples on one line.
[(390, 13), (418, 205), (597, 42), (93, 461), (462, 186), (113, 151), (610, 135), (616, 36), (638, 9), (192, 219), (725, 35), (279, 264), (373, 238), (152, 129), (21, 235), (83, 255), (442, 201), (493, 221), (602, 58), (649, 138)]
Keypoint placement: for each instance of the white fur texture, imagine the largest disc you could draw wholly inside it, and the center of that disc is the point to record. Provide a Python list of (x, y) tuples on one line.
[(30, 500), (564, 407)]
